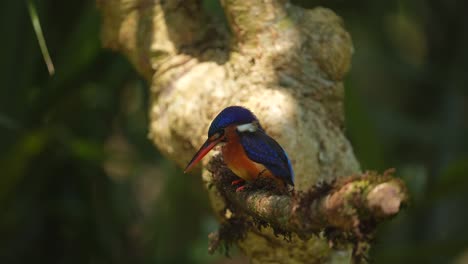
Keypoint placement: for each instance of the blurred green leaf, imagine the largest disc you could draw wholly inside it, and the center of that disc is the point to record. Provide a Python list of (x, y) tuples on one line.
[(453, 181), (362, 132), (14, 162), (40, 36)]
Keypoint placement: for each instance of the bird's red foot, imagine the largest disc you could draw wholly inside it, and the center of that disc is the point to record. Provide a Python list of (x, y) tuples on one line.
[(237, 182), (239, 189)]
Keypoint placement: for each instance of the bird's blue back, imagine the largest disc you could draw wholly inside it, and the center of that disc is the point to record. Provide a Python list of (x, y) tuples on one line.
[(263, 149)]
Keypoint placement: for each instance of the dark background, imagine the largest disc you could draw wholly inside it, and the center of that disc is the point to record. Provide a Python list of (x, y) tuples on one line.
[(81, 183)]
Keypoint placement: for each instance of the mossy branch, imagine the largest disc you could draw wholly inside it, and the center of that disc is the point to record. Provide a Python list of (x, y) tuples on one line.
[(349, 204)]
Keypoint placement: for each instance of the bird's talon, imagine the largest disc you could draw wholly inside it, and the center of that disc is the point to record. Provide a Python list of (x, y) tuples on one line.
[(237, 182), (240, 189)]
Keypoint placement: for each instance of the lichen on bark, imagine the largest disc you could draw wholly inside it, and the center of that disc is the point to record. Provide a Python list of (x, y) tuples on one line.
[(283, 62)]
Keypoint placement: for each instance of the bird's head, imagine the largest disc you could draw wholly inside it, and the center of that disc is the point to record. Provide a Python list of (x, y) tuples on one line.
[(238, 117)]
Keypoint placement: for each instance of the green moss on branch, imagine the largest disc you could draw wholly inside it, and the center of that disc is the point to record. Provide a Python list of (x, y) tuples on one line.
[(352, 205)]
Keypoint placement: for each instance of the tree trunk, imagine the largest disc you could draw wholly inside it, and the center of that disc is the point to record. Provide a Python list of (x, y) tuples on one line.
[(283, 62)]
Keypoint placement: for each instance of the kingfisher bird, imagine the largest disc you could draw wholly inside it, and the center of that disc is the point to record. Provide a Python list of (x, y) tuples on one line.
[(246, 148)]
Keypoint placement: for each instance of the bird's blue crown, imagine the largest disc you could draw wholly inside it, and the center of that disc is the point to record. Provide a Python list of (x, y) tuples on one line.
[(229, 116)]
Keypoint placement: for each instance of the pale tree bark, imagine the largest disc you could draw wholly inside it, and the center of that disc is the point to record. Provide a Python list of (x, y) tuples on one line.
[(283, 62)]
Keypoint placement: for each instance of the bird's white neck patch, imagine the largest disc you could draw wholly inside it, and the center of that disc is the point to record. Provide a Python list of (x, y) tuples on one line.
[(249, 127)]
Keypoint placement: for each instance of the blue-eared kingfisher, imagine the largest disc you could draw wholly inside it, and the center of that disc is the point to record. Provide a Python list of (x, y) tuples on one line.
[(246, 148)]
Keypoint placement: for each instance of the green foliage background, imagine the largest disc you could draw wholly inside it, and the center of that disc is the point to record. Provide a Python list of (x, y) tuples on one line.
[(80, 182)]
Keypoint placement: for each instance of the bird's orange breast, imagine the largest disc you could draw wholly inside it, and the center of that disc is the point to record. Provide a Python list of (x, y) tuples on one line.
[(236, 158)]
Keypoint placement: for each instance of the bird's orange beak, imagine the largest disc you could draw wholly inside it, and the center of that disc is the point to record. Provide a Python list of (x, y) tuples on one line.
[(205, 148)]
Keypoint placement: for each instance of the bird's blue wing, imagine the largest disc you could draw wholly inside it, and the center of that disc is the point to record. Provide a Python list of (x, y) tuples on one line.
[(263, 149)]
